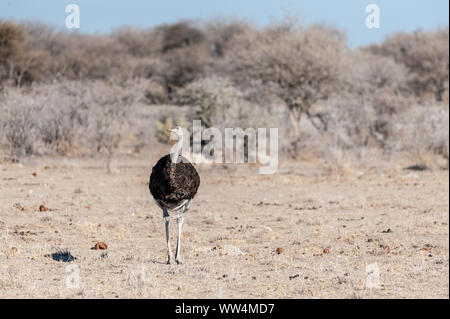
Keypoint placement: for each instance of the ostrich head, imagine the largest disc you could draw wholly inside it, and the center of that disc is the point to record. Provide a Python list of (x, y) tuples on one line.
[(178, 130)]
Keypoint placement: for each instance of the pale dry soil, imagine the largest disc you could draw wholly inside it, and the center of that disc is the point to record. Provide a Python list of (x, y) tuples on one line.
[(377, 231)]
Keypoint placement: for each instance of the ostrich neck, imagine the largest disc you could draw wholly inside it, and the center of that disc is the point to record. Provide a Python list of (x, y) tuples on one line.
[(179, 144), (175, 152)]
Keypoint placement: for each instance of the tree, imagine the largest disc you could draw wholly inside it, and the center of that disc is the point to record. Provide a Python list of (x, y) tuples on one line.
[(301, 66)]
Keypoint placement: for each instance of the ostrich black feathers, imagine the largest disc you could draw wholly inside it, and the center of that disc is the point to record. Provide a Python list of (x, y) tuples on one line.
[(172, 183)]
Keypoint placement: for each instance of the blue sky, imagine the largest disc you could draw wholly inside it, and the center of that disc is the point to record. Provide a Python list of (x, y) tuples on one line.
[(99, 16)]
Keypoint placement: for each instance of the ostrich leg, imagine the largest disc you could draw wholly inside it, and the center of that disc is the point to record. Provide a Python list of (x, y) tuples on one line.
[(180, 221), (166, 222)]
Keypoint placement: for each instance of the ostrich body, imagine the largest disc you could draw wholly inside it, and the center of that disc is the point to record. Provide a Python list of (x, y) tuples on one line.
[(173, 186)]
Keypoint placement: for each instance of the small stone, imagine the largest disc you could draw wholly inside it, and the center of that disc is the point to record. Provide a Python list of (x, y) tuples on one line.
[(19, 206), (326, 251), (42, 208), (280, 250), (294, 276), (100, 245)]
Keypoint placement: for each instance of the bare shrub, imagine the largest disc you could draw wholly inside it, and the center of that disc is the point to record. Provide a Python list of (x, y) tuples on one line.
[(91, 57), (73, 55), (181, 34), (349, 122), (210, 97), (367, 74), (355, 125), (182, 66), (18, 126), (34, 116), (217, 103), (426, 55), (374, 91), (105, 128), (421, 130), (107, 105), (155, 93), (66, 118), (220, 33), (139, 43)]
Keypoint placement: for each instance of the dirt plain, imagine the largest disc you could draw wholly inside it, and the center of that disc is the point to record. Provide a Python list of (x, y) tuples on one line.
[(308, 231)]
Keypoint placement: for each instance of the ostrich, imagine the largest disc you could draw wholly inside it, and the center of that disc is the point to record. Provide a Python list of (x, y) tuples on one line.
[(173, 186)]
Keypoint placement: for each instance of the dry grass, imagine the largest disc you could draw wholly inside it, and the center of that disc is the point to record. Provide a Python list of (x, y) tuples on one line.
[(231, 234)]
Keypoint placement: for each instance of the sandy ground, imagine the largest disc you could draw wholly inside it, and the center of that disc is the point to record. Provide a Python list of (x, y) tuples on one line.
[(374, 232)]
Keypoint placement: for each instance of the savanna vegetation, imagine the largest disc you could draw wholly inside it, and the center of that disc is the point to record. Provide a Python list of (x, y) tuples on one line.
[(70, 94)]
